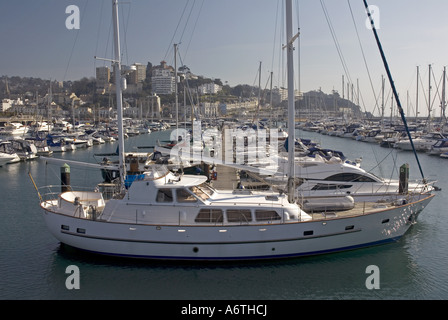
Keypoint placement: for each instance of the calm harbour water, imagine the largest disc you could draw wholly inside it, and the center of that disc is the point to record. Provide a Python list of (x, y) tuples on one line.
[(33, 263)]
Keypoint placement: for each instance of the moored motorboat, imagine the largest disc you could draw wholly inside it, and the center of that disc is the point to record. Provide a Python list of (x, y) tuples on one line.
[(7, 149), (5, 158)]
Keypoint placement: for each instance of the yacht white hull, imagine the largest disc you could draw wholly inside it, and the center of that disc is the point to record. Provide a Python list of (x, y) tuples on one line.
[(235, 242), (5, 159)]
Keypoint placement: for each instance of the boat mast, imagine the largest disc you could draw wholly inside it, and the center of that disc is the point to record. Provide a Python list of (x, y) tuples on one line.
[(382, 100), (429, 99), (291, 105), (394, 89), (259, 96), (175, 87), (443, 104), (416, 96), (118, 90)]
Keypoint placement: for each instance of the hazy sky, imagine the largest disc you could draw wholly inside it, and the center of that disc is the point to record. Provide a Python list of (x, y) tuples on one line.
[(227, 39)]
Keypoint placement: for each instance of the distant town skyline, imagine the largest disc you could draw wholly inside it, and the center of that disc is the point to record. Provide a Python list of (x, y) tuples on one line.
[(228, 39)]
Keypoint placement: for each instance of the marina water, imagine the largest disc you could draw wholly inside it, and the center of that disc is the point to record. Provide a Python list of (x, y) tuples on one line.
[(33, 264)]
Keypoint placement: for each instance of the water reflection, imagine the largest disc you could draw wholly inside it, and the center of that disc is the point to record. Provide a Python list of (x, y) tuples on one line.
[(33, 263)]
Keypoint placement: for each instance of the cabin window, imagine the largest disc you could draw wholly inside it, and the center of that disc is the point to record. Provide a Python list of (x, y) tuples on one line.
[(201, 192), (322, 186), (266, 215), (184, 196), (349, 177), (207, 189), (439, 143), (164, 195), (239, 215), (209, 216)]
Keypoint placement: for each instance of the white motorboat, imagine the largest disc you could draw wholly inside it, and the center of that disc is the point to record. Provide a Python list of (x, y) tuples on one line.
[(7, 149), (423, 143), (5, 158), (318, 177), (14, 129), (439, 147), (78, 141), (25, 149), (346, 179), (390, 137), (168, 216)]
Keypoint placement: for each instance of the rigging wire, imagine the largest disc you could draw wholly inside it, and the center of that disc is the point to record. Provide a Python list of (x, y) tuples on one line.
[(389, 75), (274, 47), (341, 55), (74, 43), (437, 90), (187, 85), (336, 41), (363, 55), (194, 27), (125, 28), (98, 34), (170, 46), (299, 90), (185, 26), (281, 61), (186, 23)]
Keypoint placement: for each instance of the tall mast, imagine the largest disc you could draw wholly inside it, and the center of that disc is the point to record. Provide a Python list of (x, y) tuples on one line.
[(394, 89), (382, 98), (270, 102), (259, 95), (291, 105), (175, 86), (118, 89), (416, 95), (429, 99), (443, 105)]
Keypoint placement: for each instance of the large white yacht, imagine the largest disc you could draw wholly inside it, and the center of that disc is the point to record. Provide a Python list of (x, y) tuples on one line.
[(168, 216)]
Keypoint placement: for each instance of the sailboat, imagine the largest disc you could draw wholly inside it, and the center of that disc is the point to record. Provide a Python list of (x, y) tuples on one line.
[(174, 216)]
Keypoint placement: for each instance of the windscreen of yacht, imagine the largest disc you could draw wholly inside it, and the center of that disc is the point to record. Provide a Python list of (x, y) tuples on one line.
[(203, 191)]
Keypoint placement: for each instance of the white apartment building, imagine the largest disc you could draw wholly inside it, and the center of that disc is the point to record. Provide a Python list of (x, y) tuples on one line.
[(5, 105), (163, 80), (209, 88)]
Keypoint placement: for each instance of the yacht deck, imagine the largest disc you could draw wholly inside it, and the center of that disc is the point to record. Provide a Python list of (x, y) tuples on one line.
[(360, 208)]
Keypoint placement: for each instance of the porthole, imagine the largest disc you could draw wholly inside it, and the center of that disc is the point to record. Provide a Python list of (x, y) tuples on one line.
[(308, 233), (385, 221), (349, 227), (81, 230), (64, 227)]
